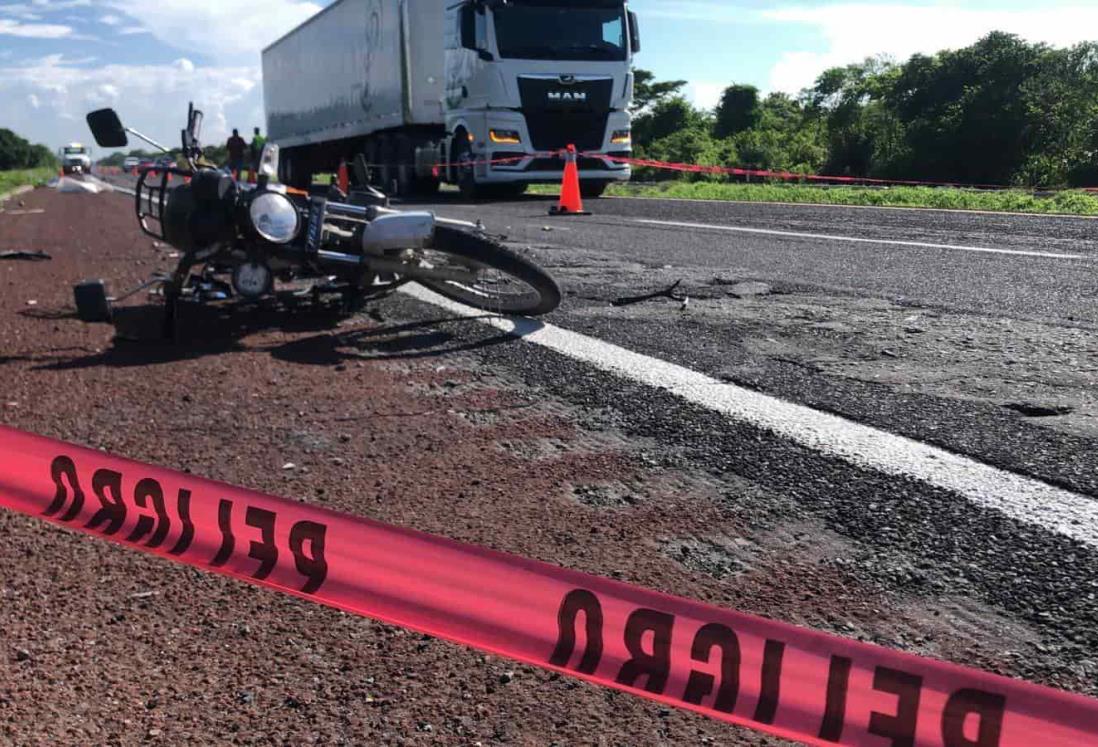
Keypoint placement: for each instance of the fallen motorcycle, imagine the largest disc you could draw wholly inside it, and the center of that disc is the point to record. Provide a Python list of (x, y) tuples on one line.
[(244, 241)]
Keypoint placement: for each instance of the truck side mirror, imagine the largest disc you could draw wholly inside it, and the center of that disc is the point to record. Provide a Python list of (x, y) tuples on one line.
[(634, 33), (107, 128), (468, 21)]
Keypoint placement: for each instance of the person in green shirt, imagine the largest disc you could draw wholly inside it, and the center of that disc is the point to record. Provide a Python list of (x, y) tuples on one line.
[(258, 141)]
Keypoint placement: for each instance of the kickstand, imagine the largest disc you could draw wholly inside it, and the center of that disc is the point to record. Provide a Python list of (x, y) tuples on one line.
[(665, 293)]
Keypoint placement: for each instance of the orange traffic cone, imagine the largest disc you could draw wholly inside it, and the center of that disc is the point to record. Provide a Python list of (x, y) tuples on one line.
[(571, 203), (343, 178)]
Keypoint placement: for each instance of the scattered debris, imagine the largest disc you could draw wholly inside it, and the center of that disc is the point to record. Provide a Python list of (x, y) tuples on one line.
[(89, 184), (32, 211), (32, 302), (35, 256), (144, 594), (21, 654), (506, 677), (289, 466), (1031, 410), (749, 289), (890, 353), (837, 327), (665, 293)]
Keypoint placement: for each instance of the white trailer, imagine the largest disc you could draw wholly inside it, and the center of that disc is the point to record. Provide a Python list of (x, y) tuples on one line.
[(480, 93)]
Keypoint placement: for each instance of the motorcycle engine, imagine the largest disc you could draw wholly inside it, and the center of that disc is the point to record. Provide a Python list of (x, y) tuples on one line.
[(200, 214)]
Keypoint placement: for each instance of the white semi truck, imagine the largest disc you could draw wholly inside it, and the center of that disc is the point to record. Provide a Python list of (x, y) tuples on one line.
[(75, 159), (477, 93)]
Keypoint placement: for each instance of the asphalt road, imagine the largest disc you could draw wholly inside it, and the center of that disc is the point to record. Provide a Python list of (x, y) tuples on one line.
[(973, 334), (805, 245)]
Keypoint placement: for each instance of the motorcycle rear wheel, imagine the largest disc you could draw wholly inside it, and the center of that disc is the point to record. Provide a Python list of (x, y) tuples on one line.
[(505, 282)]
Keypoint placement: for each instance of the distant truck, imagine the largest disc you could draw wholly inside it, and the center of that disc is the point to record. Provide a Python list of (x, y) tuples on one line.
[(477, 93), (75, 159)]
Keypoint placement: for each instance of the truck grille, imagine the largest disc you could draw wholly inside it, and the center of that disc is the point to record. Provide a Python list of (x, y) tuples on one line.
[(566, 111), (558, 130)]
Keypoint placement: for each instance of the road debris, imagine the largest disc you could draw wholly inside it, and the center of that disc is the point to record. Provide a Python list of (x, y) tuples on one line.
[(750, 289), (35, 256), (1031, 410), (665, 293), (89, 184)]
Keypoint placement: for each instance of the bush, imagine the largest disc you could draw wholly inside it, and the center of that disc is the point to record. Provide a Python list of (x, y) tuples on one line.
[(17, 153)]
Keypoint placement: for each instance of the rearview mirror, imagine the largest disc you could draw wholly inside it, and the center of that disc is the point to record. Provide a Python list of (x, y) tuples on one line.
[(634, 33), (194, 123), (107, 129)]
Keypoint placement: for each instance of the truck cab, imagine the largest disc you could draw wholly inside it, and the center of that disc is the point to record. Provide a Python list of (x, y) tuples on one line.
[(527, 78), (75, 159)]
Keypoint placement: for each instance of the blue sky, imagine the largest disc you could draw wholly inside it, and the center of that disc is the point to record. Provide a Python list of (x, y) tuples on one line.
[(62, 58)]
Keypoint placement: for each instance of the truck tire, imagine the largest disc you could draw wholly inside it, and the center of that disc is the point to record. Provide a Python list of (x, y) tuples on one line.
[(406, 166), (387, 157), (593, 190), (292, 169), (463, 159), (509, 191)]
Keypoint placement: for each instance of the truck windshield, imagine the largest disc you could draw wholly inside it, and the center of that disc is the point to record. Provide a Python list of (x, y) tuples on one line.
[(74, 151), (556, 31)]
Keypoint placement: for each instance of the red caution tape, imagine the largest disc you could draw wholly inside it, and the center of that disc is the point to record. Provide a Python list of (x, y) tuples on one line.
[(792, 682), (694, 168)]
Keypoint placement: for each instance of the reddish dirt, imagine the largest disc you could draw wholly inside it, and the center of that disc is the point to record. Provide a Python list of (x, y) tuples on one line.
[(101, 645)]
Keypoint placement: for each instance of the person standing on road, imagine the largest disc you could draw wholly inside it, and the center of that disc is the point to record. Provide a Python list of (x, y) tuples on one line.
[(236, 146), (258, 141)]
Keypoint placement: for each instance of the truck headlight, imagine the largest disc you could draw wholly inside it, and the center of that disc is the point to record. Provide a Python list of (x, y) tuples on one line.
[(274, 217), (507, 137), (621, 137)]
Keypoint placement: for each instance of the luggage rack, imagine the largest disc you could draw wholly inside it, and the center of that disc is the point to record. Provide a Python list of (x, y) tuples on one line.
[(151, 196)]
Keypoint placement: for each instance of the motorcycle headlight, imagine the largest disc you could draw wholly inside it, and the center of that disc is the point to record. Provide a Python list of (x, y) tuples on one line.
[(274, 217)]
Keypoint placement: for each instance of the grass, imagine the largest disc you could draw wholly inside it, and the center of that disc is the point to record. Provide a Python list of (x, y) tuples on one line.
[(10, 180), (1068, 202)]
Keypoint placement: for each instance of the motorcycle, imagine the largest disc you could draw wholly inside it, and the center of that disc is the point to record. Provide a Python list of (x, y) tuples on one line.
[(250, 241)]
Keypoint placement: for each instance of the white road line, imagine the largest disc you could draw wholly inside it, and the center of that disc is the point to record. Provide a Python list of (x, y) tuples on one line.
[(856, 239), (1021, 498)]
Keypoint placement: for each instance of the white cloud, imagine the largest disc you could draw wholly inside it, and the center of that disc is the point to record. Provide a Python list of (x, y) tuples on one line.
[(111, 20), (705, 94), (854, 31), (130, 30), (183, 65), (46, 99), (9, 27), (227, 30)]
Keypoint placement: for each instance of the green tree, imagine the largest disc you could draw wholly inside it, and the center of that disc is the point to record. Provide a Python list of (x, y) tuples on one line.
[(648, 92), (666, 118), (737, 111), (17, 153)]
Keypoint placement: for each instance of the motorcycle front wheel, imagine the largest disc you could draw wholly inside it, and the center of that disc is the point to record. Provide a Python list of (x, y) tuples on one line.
[(503, 281)]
